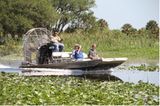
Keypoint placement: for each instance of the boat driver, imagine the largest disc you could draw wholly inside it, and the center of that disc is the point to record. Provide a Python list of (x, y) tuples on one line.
[(56, 40), (92, 52)]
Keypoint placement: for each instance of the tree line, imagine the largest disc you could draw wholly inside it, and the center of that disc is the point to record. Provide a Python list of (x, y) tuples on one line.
[(18, 16), (151, 28)]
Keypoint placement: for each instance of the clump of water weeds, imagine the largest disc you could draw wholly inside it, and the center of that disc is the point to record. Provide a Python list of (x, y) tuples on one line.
[(49, 90), (145, 67)]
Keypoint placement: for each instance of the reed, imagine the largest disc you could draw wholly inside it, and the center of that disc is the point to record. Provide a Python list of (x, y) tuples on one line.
[(110, 43), (114, 44)]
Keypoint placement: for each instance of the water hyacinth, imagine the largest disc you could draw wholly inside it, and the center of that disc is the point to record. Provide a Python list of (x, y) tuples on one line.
[(17, 89), (145, 68)]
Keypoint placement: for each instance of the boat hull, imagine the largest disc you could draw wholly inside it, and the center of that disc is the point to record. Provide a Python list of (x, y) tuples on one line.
[(108, 63), (104, 63)]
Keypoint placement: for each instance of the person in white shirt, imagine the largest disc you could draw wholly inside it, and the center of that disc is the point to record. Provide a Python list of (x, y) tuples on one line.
[(56, 40)]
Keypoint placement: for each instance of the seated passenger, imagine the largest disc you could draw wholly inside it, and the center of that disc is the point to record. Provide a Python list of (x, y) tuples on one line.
[(56, 40), (77, 53), (92, 52)]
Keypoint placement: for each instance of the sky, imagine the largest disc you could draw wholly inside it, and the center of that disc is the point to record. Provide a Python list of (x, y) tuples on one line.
[(119, 12)]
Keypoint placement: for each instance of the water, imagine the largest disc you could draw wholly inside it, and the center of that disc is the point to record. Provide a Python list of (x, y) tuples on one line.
[(10, 66), (133, 76)]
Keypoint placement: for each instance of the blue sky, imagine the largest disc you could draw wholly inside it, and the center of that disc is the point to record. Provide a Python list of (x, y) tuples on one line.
[(119, 12)]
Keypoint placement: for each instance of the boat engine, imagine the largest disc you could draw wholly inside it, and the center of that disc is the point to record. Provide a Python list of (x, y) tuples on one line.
[(48, 54), (44, 54)]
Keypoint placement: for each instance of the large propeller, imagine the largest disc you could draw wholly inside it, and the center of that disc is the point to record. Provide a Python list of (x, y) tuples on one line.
[(33, 40)]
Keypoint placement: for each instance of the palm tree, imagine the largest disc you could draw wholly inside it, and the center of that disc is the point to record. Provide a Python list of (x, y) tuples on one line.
[(128, 29), (152, 26)]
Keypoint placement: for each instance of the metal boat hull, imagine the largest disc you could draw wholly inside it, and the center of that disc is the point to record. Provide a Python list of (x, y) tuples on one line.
[(104, 63)]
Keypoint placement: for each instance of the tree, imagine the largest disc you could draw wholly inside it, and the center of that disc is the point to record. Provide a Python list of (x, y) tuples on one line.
[(152, 27), (88, 22), (128, 29), (73, 13), (17, 16), (102, 24)]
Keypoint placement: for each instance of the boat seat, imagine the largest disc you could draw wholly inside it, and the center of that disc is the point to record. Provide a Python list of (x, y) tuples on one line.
[(66, 55), (61, 54), (114, 59)]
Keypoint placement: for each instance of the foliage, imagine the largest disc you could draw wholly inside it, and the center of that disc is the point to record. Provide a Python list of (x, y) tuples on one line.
[(144, 67), (102, 24), (114, 44), (152, 26), (11, 46), (75, 13), (73, 91), (128, 29), (18, 16), (110, 43)]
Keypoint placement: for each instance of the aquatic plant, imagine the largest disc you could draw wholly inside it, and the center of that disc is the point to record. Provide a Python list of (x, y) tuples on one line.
[(144, 67), (73, 90)]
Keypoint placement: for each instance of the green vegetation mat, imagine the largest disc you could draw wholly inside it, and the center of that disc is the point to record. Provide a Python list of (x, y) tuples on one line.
[(144, 67), (72, 90)]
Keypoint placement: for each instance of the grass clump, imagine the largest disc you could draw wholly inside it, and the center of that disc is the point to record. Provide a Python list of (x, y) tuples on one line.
[(71, 90)]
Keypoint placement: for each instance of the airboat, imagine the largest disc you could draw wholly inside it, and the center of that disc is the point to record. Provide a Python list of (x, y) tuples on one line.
[(38, 54)]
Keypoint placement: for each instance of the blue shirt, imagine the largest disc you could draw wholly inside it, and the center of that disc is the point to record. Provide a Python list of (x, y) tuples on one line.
[(78, 55)]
